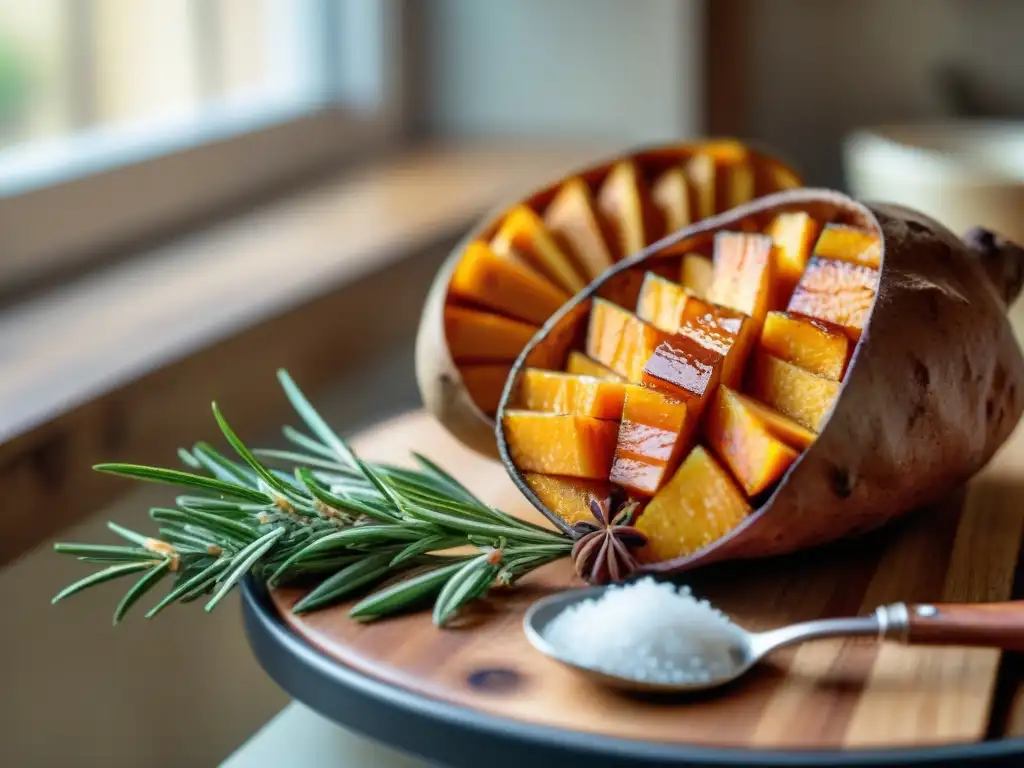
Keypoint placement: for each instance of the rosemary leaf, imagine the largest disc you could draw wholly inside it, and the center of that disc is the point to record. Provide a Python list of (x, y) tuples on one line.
[(114, 572), (463, 585), (247, 558), (142, 586), (406, 594), (209, 573), (107, 551), (233, 528), (467, 525), (435, 543), (447, 480), (300, 459), (314, 421), (334, 501), (186, 479), (303, 441), (240, 448), (127, 535), (221, 467), (188, 459), (346, 581)]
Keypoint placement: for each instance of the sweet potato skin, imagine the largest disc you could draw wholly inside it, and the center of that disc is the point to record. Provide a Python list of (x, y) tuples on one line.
[(952, 387)]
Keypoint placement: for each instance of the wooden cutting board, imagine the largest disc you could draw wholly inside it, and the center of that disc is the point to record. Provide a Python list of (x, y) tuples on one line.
[(829, 694)]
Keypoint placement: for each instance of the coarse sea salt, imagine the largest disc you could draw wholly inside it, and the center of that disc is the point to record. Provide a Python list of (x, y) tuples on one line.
[(647, 631)]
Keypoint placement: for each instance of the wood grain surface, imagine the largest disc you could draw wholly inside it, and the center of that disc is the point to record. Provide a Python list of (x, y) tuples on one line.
[(829, 694)]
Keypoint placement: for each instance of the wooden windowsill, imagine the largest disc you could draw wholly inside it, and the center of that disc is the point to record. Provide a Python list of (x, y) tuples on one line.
[(123, 362)]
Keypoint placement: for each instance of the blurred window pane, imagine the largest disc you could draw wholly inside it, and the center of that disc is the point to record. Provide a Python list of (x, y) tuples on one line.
[(72, 69)]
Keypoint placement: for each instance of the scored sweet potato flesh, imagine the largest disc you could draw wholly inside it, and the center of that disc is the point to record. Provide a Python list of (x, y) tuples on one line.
[(756, 458), (684, 368), (778, 425), (568, 497), (625, 201), (620, 340), (556, 392), (805, 342), (476, 336), (661, 303), (794, 234), (837, 292), (727, 331), (697, 274), (561, 444), (504, 285), (744, 267), (671, 194), (858, 246), (651, 440), (523, 234), (485, 383), (803, 396), (582, 365), (572, 216), (699, 505)]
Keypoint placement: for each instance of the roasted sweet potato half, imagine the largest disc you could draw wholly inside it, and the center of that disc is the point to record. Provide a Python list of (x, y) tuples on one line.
[(795, 422), (527, 259)]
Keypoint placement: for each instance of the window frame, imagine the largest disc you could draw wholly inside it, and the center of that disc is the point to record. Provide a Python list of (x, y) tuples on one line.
[(161, 182)]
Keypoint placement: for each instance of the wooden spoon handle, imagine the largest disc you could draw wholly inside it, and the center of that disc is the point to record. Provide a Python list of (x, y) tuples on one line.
[(995, 625)]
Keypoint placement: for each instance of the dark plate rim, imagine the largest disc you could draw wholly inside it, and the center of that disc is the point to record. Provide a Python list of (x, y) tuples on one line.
[(455, 735)]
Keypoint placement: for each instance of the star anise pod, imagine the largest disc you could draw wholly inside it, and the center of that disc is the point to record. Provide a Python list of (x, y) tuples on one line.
[(602, 552)]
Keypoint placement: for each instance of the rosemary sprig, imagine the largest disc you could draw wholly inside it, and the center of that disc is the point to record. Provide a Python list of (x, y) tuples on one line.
[(316, 511)]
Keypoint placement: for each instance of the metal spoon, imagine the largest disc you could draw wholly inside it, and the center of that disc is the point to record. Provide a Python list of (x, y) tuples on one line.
[(993, 625)]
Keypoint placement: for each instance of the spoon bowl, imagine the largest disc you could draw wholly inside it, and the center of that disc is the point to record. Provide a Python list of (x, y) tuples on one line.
[(998, 625)]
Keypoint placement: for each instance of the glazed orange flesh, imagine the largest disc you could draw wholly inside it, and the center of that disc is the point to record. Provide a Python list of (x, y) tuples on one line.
[(504, 285), (699, 505), (779, 425), (582, 365), (836, 292), (556, 392), (523, 234), (661, 303), (476, 336), (572, 216), (803, 396), (743, 273), (621, 341), (730, 333), (697, 273), (651, 440), (702, 174), (561, 444), (756, 458), (807, 343), (858, 246), (485, 384), (794, 234), (671, 194), (685, 369), (568, 497), (626, 203)]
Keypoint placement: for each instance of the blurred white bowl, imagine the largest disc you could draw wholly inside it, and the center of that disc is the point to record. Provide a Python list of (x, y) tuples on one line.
[(962, 173)]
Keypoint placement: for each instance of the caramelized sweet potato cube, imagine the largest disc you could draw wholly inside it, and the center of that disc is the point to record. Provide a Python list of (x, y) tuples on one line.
[(697, 273), (557, 392), (475, 335), (803, 396), (620, 340), (805, 342), (739, 438), (524, 235), (652, 437), (485, 384), (560, 444), (572, 216), (743, 273), (836, 292), (685, 369), (661, 303), (700, 170), (698, 506), (582, 365), (779, 425), (625, 201), (858, 246), (671, 194), (568, 497), (504, 285), (623, 288), (727, 331), (794, 234)]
